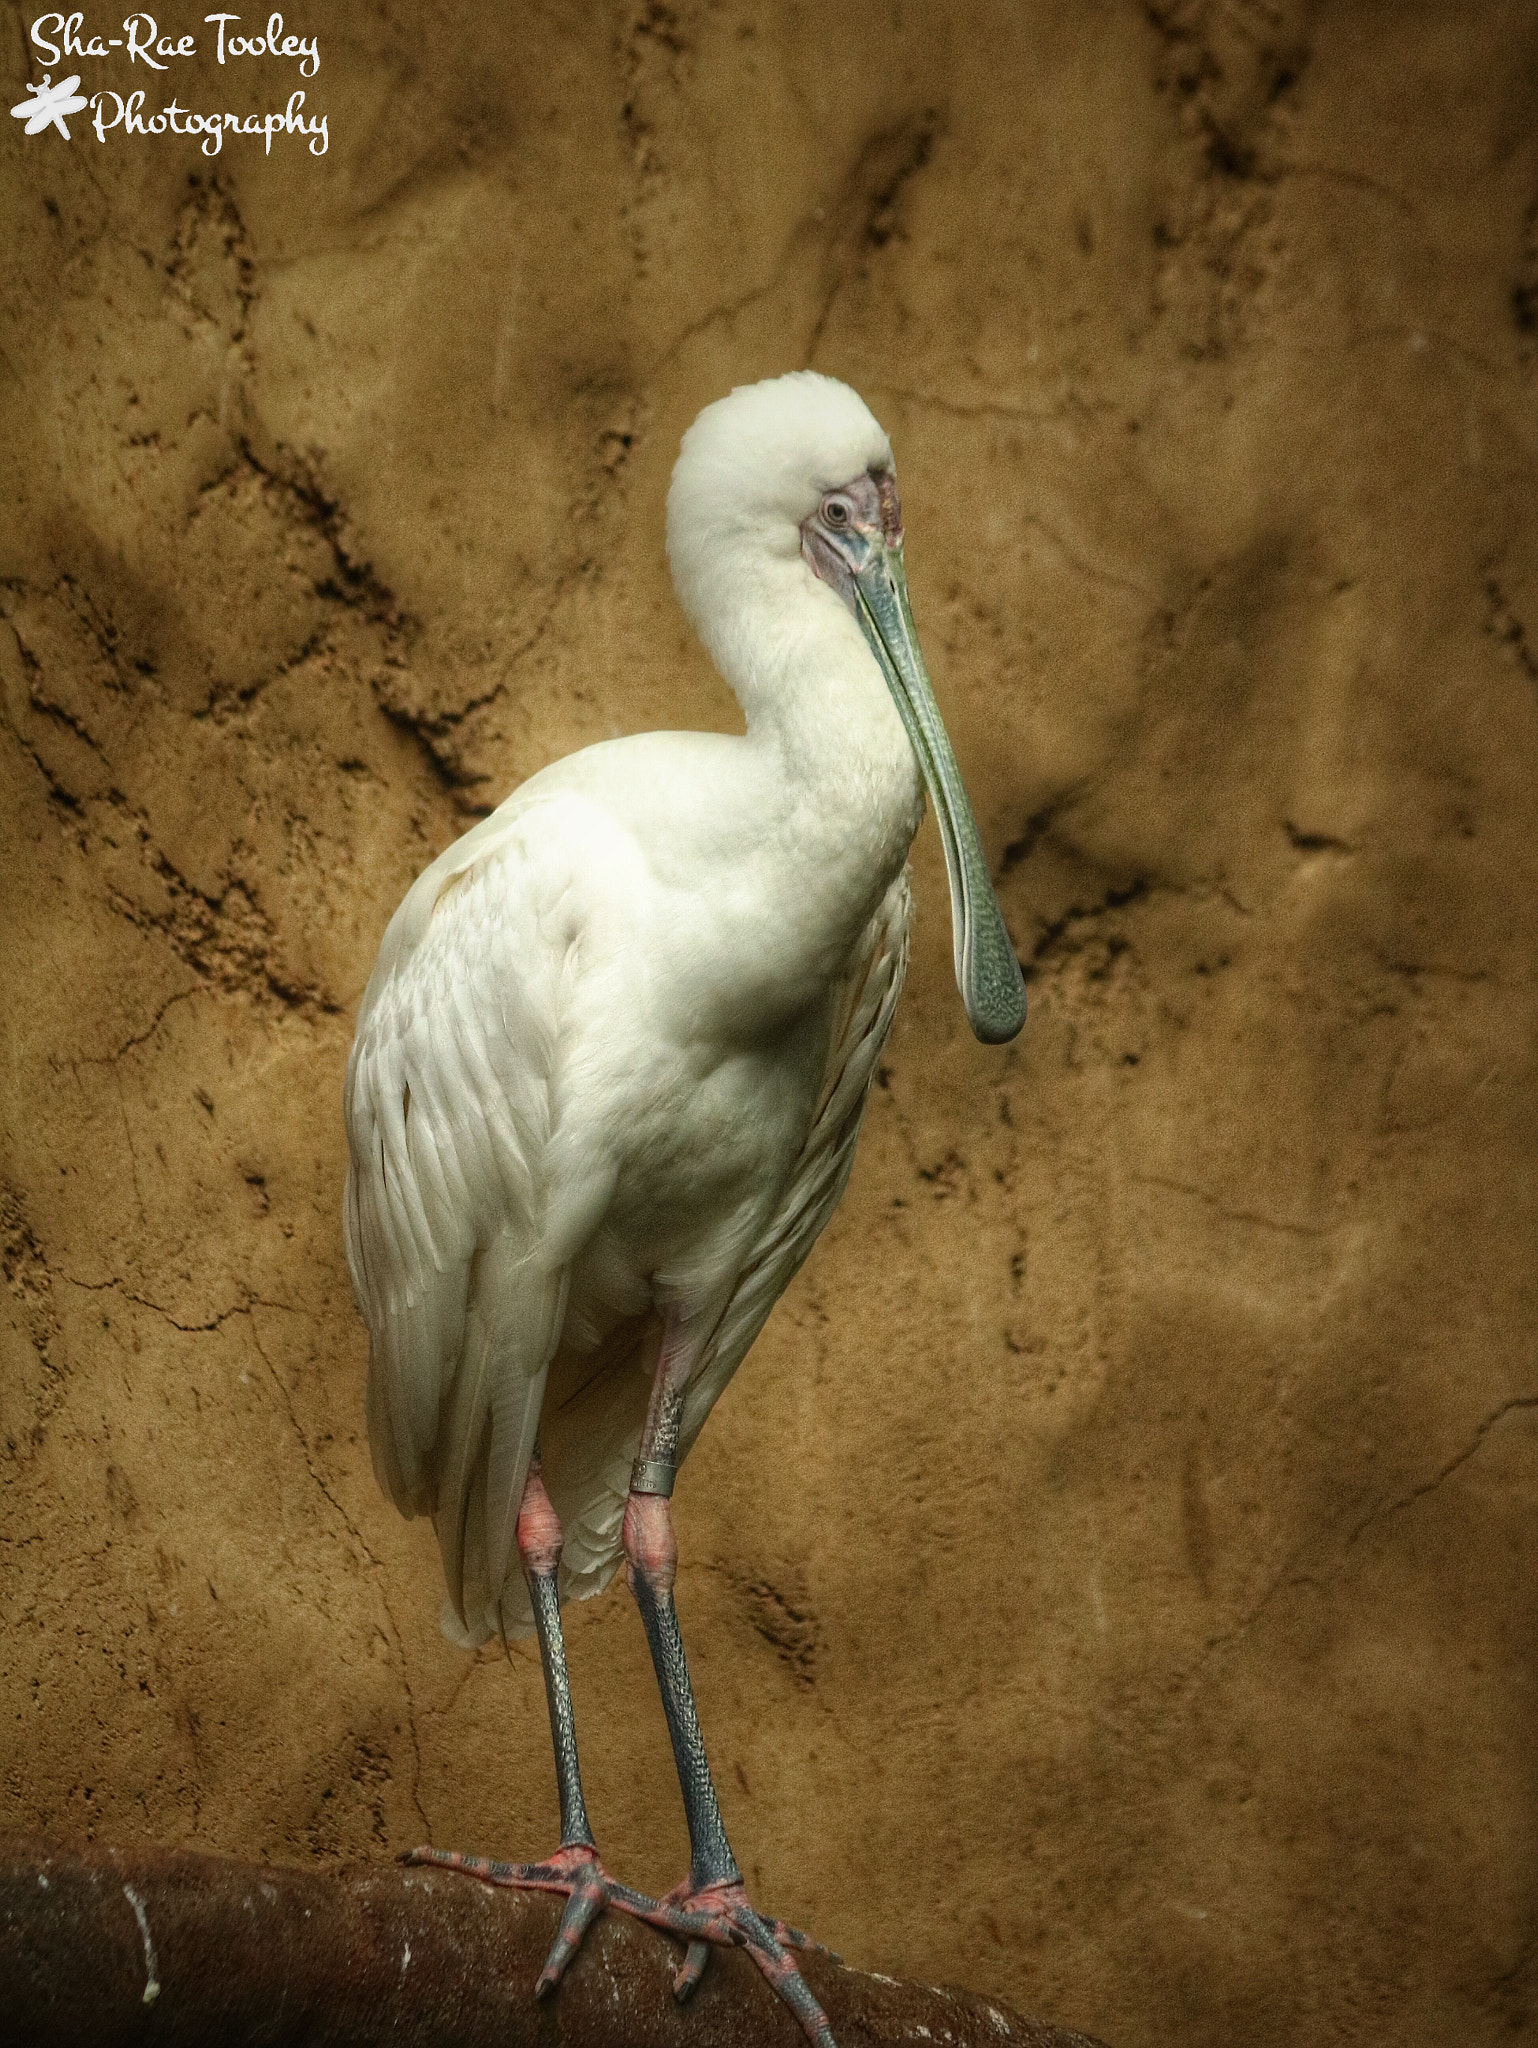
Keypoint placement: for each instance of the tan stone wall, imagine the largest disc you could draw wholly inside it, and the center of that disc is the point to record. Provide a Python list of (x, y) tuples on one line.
[(1111, 1580)]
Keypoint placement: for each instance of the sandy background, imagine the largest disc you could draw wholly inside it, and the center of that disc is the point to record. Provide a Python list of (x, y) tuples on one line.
[(1157, 1641)]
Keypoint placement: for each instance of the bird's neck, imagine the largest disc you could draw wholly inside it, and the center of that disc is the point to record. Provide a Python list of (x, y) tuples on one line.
[(839, 791)]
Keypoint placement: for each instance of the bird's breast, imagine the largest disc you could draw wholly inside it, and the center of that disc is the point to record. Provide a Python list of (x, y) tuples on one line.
[(712, 942), (703, 1128)]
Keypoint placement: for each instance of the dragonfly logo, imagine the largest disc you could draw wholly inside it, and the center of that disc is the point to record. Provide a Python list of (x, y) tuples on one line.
[(51, 104)]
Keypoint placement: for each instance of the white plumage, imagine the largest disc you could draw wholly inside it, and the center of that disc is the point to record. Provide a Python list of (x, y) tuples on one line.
[(611, 1061)]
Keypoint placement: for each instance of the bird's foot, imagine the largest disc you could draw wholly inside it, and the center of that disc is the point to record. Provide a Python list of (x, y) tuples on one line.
[(574, 1869), (716, 1915), (720, 1914)]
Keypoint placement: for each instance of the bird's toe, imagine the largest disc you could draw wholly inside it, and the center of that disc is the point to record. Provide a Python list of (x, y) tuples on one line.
[(690, 1970), (722, 1915), (590, 1892)]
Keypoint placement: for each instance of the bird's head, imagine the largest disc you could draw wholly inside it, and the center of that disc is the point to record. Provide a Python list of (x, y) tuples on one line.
[(795, 475)]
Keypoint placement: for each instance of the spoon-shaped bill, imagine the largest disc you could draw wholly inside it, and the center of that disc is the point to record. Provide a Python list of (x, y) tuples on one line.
[(987, 972)]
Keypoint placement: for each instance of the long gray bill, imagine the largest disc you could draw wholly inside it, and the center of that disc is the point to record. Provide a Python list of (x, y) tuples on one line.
[(987, 972)]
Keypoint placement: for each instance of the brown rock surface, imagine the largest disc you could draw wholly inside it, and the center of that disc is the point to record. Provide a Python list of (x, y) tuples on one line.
[(1152, 1637)]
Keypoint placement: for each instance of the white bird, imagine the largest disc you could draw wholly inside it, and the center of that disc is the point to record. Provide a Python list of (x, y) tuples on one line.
[(608, 1074)]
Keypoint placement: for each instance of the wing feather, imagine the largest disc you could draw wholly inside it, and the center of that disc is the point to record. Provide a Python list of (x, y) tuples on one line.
[(448, 1119)]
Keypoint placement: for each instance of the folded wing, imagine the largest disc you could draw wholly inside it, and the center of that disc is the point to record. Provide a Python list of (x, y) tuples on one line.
[(448, 1121)]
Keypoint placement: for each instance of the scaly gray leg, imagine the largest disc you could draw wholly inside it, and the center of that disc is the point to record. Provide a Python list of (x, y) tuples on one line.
[(711, 1904), (539, 1546), (574, 1868)]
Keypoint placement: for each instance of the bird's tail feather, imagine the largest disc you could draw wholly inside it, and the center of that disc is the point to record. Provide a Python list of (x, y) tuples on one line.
[(490, 1419)]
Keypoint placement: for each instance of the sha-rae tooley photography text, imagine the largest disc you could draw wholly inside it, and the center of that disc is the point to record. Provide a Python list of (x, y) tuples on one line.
[(65, 39)]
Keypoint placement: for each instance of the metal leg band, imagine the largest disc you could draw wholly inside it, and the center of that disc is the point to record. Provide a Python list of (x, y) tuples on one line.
[(653, 1475)]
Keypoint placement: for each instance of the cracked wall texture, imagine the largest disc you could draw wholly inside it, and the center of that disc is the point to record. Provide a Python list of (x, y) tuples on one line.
[(1112, 1578)]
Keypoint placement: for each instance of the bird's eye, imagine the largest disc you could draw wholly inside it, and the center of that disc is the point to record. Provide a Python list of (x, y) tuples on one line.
[(835, 511)]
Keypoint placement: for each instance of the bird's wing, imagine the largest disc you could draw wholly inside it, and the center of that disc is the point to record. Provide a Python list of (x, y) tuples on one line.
[(448, 1121), (864, 1002)]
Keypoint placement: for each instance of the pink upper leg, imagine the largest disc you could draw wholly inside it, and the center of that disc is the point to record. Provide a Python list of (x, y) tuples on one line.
[(651, 1549), (539, 1527)]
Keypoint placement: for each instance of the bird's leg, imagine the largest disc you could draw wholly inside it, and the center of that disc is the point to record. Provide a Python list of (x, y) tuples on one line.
[(539, 1547), (574, 1868), (651, 1554), (711, 1904), (651, 1567)]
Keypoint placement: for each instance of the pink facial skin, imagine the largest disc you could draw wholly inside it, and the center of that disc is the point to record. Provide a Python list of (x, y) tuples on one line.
[(868, 504)]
